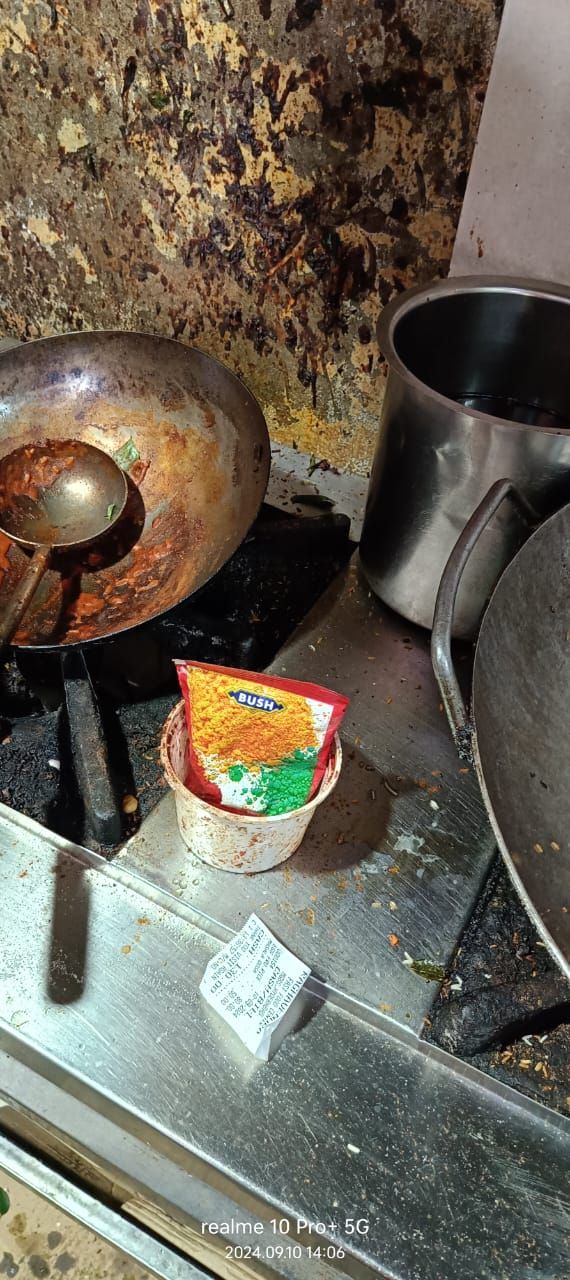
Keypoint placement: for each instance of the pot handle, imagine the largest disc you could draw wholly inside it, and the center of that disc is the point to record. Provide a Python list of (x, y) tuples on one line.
[(442, 662)]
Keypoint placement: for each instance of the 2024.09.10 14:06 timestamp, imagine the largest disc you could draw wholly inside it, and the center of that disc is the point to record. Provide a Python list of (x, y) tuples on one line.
[(269, 1252), (313, 1249)]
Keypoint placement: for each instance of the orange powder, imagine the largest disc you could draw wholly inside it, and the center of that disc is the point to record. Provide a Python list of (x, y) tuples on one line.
[(240, 735)]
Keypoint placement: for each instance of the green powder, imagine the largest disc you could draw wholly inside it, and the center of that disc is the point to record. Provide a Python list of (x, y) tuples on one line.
[(236, 772), (287, 786), (279, 787)]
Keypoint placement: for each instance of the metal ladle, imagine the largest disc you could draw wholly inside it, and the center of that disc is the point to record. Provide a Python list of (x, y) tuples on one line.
[(59, 496)]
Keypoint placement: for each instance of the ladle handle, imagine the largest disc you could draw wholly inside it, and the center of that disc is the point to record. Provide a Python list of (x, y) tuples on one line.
[(23, 594)]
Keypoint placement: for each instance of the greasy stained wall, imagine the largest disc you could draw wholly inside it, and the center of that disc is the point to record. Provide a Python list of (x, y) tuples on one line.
[(254, 176)]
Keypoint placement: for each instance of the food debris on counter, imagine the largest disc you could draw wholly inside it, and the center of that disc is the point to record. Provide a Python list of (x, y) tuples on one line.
[(427, 969)]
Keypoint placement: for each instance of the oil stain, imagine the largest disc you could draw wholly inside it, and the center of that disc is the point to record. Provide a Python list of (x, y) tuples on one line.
[(17, 1226), (38, 1266), (259, 186), (64, 1263), (8, 1266)]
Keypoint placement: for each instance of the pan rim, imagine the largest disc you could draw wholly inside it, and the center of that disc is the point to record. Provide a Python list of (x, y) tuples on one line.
[(532, 911), (561, 958), (22, 345), (421, 295)]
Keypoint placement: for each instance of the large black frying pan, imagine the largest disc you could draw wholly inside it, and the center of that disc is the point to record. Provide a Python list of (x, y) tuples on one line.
[(193, 443), (519, 734)]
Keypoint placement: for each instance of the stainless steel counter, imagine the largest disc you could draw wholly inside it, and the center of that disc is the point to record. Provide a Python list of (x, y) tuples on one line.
[(107, 1042), (400, 850)]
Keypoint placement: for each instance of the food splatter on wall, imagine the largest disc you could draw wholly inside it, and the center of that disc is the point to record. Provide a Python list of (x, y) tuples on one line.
[(257, 177)]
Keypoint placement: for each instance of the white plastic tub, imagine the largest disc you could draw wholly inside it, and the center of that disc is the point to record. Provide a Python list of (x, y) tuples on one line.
[(234, 841)]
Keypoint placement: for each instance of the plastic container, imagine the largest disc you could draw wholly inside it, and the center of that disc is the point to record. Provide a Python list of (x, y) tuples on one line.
[(235, 841)]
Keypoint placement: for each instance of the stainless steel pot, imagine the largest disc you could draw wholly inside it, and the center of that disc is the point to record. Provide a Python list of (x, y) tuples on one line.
[(478, 388)]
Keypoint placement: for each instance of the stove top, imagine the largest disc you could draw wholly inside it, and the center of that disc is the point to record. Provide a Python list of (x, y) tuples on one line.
[(240, 619), (396, 886)]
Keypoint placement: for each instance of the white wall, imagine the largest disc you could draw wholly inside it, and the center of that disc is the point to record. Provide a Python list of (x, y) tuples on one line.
[(516, 213)]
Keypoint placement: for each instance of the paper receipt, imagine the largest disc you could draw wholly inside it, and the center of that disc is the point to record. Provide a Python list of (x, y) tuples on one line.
[(253, 982)]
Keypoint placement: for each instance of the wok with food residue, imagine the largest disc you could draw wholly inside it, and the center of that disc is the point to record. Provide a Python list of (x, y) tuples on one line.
[(193, 444)]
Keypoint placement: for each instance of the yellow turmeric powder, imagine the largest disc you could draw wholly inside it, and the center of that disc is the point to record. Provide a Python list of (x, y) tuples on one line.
[(237, 735)]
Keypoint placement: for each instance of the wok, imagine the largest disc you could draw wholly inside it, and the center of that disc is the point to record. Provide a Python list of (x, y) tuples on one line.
[(519, 734), (194, 444)]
